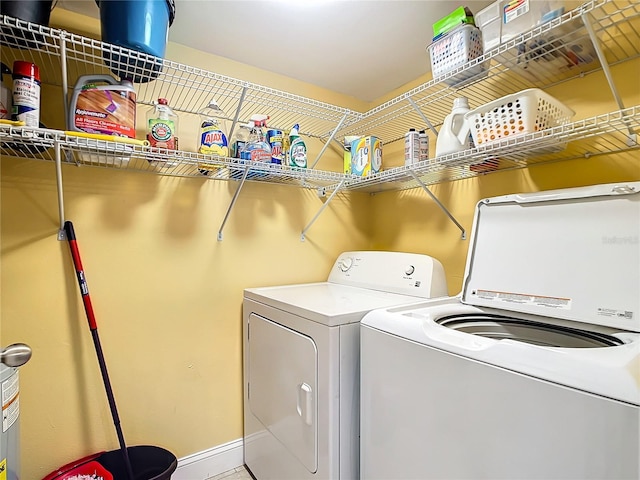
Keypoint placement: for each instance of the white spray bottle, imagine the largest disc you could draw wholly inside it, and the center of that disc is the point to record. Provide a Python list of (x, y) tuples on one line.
[(455, 133), (256, 148)]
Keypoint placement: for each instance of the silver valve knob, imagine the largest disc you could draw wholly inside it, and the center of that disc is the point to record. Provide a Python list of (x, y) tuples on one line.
[(15, 355)]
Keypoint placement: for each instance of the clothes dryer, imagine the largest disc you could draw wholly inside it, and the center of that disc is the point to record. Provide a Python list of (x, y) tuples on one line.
[(533, 371), (302, 360)]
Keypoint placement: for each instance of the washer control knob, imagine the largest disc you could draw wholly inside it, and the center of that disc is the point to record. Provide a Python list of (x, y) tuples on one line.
[(409, 270), (345, 264)]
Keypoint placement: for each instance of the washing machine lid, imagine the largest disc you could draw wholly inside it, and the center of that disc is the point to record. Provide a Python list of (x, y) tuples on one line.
[(572, 254), (326, 302)]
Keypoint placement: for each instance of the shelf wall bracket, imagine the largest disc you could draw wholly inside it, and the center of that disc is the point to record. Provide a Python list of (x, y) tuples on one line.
[(444, 209), (233, 202), (324, 205), (326, 144), (424, 117), (246, 170), (632, 139), (58, 153), (63, 70)]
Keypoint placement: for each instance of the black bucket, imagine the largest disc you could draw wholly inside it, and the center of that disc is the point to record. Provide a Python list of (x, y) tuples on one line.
[(147, 462), (34, 11)]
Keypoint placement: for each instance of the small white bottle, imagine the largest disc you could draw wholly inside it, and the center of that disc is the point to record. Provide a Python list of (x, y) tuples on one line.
[(411, 147), (424, 145)]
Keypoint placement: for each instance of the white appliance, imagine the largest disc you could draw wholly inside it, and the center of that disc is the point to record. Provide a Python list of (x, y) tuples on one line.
[(533, 371), (301, 362)]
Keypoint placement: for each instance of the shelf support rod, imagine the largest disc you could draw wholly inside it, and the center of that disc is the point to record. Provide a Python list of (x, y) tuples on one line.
[(435, 199), (237, 115), (326, 144), (605, 66), (63, 69), (424, 117), (58, 153), (324, 205), (233, 202)]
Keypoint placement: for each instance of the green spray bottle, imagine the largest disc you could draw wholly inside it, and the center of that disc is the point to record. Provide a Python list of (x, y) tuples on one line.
[(297, 149)]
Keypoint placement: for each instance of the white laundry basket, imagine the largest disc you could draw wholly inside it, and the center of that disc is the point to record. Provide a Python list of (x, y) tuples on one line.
[(454, 50), (524, 112)]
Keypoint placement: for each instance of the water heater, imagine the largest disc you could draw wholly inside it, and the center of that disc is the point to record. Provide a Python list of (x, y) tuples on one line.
[(11, 358)]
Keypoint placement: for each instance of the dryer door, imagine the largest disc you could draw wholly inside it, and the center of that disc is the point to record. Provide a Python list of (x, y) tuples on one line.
[(283, 386)]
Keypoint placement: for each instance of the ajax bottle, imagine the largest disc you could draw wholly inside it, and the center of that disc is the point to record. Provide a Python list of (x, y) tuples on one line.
[(212, 139), (297, 149), (274, 139), (455, 133), (162, 126)]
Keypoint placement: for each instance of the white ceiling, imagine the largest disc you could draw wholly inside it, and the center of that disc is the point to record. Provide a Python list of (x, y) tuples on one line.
[(364, 49)]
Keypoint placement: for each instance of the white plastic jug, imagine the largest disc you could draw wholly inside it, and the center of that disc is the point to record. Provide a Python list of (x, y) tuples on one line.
[(454, 135)]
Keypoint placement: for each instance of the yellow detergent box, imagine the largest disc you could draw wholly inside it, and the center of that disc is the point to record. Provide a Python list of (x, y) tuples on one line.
[(366, 156), (348, 140)]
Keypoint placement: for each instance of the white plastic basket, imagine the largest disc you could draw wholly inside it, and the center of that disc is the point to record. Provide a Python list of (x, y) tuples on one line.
[(524, 112), (454, 50)]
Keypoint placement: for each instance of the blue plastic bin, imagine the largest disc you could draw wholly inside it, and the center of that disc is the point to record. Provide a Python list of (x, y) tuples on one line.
[(139, 25)]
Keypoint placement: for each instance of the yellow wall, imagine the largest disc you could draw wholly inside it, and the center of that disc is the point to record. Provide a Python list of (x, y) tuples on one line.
[(166, 293), (168, 296), (423, 227)]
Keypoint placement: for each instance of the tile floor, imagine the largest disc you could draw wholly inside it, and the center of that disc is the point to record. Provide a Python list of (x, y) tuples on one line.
[(239, 473)]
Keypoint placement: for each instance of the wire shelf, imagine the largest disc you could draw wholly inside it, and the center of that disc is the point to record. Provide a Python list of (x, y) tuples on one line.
[(40, 144), (602, 134), (188, 89), (539, 58), (599, 135)]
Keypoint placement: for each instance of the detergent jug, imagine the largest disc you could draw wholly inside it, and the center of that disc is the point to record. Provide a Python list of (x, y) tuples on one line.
[(102, 104), (455, 133)]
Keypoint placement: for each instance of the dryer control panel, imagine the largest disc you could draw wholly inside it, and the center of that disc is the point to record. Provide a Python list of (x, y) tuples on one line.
[(396, 272)]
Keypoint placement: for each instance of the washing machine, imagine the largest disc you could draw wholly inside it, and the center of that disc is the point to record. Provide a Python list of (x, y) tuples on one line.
[(302, 359), (533, 371)]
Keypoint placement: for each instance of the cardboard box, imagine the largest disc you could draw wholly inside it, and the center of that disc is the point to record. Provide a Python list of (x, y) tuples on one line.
[(459, 16), (348, 140), (366, 156)]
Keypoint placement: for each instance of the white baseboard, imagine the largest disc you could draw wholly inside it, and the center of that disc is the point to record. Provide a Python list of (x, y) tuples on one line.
[(211, 462)]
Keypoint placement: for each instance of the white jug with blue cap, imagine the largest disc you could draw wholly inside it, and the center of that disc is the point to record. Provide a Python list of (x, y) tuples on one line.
[(455, 133)]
